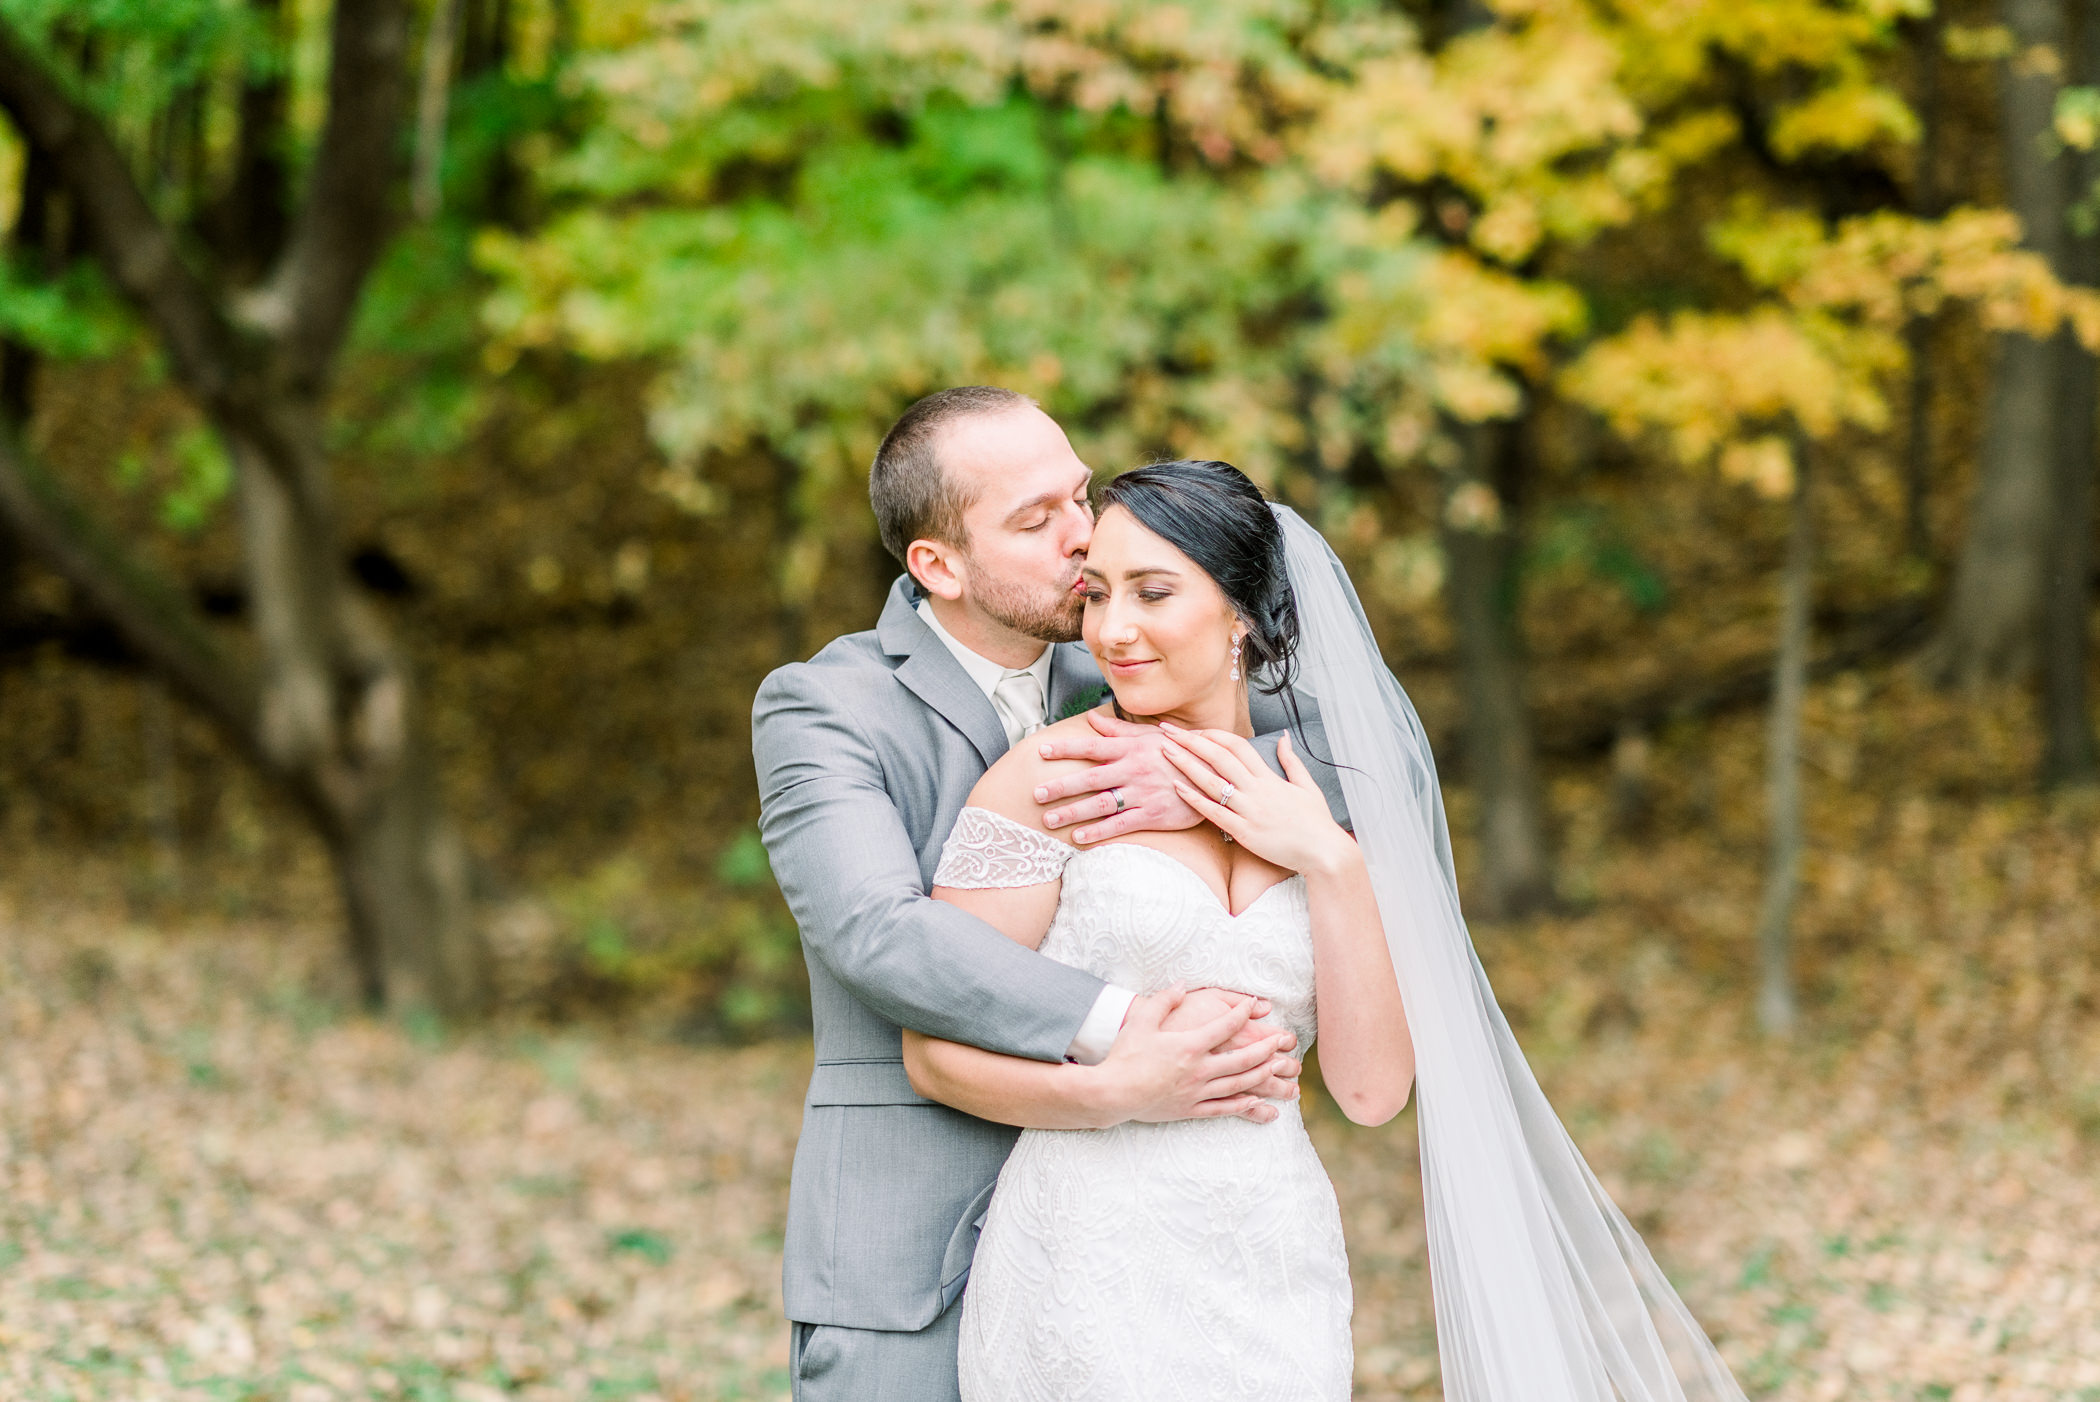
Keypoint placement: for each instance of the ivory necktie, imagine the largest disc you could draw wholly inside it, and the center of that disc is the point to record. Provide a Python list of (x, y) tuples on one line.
[(1019, 701)]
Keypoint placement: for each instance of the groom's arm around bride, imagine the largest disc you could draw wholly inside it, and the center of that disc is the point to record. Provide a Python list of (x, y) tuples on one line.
[(887, 1185), (865, 755)]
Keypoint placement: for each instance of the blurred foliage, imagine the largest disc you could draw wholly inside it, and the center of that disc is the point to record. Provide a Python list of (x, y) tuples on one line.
[(1820, 349), (812, 218), (619, 396), (142, 56), (1282, 231), (731, 958), (69, 317)]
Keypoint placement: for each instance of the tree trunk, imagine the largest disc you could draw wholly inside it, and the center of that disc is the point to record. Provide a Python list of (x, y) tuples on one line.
[(561, 47), (328, 712), (403, 873), (30, 244), (18, 361), (338, 714), (1918, 334), (1775, 998), (1480, 540), (255, 219), (163, 783), (339, 733), (433, 101), (1994, 622), (2069, 754), (10, 576), (484, 43)]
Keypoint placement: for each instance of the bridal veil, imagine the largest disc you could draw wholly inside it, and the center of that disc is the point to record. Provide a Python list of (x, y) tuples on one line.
[(1544, 1292)]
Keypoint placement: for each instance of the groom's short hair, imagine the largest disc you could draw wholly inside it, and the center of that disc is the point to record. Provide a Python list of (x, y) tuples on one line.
[(913, 497)]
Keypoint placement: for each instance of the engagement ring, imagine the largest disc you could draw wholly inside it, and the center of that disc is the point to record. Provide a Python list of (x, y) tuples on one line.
[(1226, 796)]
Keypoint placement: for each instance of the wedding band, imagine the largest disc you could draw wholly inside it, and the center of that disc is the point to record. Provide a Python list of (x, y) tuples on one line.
[(1225, 795), (1117, 795)]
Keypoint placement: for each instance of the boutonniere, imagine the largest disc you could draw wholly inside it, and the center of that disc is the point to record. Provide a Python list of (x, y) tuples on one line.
[(1083, 702)]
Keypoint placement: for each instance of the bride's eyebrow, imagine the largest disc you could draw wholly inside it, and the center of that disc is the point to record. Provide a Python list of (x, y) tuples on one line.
[(1090, 572)]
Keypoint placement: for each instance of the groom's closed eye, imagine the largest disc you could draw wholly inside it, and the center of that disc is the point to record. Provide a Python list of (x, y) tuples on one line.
[(1034, 513)]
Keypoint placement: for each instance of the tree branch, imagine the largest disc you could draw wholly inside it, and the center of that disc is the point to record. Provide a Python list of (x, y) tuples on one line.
[(134, 246), (433, 99), (344, 221), (151, 615)]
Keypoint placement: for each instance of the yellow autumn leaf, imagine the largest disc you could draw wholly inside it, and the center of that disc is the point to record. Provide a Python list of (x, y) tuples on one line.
[(1474, 392), (1845, 118), (1975, 43), (1765, 464)]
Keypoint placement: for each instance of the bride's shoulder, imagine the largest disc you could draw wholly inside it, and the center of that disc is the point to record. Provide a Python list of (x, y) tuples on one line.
[(1008, 787)]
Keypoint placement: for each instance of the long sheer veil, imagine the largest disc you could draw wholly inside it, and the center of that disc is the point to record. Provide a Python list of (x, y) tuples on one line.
[(1544, 1292)]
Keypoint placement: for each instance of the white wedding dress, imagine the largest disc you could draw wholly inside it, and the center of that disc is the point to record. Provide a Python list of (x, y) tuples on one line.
[(1201, 1259)]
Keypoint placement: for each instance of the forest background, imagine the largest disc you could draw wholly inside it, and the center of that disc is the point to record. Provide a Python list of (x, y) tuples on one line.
[(422, 425)]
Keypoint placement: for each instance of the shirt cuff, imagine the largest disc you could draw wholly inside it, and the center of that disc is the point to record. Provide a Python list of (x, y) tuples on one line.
[(1098, 1033)]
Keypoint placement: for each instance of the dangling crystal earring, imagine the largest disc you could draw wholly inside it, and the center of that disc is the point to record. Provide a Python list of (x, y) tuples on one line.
[(1235, 659)]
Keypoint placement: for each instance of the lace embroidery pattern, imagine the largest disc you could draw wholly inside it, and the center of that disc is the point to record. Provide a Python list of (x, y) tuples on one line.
[(1188, 1262), (990, 851)]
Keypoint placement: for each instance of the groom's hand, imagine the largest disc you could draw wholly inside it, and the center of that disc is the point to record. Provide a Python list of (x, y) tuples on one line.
[(1209, 1065), (1204, 1003), (1128, 760)]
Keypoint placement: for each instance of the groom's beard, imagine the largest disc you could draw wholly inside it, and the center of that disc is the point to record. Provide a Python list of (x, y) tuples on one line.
[(1034, 613)]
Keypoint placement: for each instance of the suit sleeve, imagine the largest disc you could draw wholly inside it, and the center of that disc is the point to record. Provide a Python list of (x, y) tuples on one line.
[(847, 866), (1309, 743)]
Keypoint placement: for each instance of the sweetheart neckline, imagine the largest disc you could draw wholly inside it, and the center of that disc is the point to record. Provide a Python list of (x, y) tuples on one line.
[(1193, 875)]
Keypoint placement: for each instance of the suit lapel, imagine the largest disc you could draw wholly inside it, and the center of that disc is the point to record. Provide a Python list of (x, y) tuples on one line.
[(931, 673)]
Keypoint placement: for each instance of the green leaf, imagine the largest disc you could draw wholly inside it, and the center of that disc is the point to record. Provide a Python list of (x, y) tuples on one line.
[(2077, 118), (73, 316), (652, 1247), (204, 475), (743, 865), (1085, 701), (606, 946)]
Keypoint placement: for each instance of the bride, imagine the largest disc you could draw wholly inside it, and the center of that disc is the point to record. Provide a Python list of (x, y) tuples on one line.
[(1204, 1258)]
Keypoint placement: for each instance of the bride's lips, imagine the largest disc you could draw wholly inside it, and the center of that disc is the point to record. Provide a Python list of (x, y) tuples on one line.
[(1131, 669)]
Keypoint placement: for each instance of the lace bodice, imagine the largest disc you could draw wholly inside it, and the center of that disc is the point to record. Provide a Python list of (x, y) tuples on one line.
[(1198, 1259), (1135, 917)]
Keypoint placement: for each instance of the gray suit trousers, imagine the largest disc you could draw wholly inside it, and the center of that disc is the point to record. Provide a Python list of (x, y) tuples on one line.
[(832, 1363)]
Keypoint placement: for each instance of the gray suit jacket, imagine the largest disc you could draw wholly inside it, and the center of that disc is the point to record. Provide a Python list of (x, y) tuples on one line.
[(865, 755)]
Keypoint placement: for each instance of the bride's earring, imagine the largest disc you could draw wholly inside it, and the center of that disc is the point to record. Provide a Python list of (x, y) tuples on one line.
[(1235, 659)]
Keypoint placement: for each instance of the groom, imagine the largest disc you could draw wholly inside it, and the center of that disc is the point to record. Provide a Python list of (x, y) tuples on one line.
[(865, 754)]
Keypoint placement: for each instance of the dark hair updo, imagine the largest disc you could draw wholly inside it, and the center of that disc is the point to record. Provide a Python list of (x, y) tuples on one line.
[(1212, 513)]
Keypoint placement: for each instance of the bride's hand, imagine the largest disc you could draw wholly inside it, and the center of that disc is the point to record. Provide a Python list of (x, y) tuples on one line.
[(1285, 821)]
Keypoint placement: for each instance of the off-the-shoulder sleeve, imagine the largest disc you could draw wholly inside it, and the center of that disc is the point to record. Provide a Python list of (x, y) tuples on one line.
[(989, 851)]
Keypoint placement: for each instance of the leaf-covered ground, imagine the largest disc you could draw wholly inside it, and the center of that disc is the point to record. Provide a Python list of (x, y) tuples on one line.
[(215, 1182)]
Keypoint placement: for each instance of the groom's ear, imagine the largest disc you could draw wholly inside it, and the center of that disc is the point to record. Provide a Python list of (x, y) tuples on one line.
[(937, 567)]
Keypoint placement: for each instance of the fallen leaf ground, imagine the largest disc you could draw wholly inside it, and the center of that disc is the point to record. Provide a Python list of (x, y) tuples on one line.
[(217, 1183)]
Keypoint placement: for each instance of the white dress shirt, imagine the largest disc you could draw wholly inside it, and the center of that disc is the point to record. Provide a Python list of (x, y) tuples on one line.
[(988, 674), (1098, 1033)]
